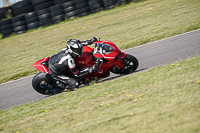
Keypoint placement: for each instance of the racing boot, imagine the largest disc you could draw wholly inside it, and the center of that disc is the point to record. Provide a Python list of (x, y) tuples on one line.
[(67, 83), (73, 84), (61, 84)]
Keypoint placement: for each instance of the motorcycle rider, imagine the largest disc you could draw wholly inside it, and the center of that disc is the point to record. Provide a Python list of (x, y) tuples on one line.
[(61, 62)]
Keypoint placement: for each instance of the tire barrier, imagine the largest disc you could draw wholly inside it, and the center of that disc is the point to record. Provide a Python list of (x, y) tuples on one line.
[(57, 14), (70, 9), (82, 7), (44, 17), (109, 4), (95, 5), (60, 1), (31, 14), (32, 20), (5, 11), (19, 24), (42, 4), (22, 7), (6, 28)]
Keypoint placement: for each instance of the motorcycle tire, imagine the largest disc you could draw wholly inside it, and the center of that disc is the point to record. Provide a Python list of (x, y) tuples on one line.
[(130, 64), (38, 83)]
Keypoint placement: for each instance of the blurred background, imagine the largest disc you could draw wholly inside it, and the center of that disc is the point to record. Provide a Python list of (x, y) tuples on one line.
[(4, 3)]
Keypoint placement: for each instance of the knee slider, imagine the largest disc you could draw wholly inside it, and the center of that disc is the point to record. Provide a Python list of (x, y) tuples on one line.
[(72, 82)]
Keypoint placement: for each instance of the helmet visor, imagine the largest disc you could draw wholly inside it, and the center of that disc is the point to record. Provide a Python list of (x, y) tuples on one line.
[(77, 51)]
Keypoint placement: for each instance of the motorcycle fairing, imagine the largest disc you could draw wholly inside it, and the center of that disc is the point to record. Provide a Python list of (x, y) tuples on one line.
[(114, 51), (112, 56), (40, 67), (120, 63), (85, 60)]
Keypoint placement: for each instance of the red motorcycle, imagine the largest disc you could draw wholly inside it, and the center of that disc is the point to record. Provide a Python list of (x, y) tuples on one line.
[(114, 61)]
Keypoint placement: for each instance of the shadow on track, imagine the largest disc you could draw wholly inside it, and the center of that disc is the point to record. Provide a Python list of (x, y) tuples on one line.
[(114, 76)]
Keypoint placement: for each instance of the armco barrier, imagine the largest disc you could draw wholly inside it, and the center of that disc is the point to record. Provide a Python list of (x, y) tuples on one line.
[(31, 14)]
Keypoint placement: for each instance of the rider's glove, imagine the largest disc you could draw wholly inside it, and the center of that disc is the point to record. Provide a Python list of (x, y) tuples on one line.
[(90, 41), (93, 68), (94, 39), (99, 60), (96, 66)]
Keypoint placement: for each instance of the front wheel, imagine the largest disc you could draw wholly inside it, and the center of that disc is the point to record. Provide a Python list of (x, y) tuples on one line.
[(40, 84), (130, 64)]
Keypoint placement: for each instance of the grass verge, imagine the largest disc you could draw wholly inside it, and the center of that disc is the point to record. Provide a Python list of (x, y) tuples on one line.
[(127, 26), (164, 99)]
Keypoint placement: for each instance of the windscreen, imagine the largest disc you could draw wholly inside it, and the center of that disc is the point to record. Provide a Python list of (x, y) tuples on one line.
[(103, 48)]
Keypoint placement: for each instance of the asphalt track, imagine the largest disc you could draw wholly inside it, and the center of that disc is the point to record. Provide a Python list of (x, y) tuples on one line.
[(162, 52)]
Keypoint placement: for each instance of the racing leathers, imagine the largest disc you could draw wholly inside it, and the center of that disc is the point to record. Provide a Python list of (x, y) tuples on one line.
[(62, 62)]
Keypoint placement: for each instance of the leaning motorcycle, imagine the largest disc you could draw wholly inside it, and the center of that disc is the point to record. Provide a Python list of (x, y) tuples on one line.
[(114, 61)]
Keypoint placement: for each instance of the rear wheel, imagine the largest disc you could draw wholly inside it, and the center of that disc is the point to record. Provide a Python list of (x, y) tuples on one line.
[(41, 85)]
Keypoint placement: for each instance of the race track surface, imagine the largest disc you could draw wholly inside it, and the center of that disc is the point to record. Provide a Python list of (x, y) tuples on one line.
[(162, 52)]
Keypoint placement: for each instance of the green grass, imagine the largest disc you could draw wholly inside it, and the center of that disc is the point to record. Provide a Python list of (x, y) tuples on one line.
[(128, 26), (164, 99)]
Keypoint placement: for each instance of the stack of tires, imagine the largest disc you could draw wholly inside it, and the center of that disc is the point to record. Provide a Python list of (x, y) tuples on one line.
[(44, 17), (31, 14), (60, 1), (57, 14), (6, 28), (4, 11), (42, 4), (19, 24), (22, 7), (95, 5), (109, 4), (32, 20), (82, 7), (121, 2), (69, 9)]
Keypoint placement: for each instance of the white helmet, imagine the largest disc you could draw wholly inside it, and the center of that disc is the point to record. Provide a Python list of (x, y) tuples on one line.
[(75, 47)]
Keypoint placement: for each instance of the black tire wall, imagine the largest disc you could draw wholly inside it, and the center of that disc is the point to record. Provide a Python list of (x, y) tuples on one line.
[(6, 28), (22, 7), (82, 7), (32, 20), (19, 24), (4, 11), (57, 14), (31, 14), (44, 17), (95, 5), (70, 9)]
